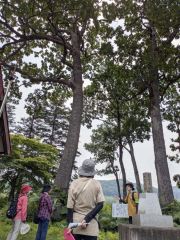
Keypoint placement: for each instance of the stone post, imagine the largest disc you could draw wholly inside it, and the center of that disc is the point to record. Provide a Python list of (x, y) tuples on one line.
[(147, 182)]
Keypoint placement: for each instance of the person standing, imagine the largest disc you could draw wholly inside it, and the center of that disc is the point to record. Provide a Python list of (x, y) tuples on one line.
[(132, 199), (85, 200), (21, 212), (44, 213)]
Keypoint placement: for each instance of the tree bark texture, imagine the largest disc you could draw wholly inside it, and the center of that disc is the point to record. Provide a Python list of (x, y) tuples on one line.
[(136, 172), (161, 164), (66, 164), (122, 168), (117, 179), (120, 147)]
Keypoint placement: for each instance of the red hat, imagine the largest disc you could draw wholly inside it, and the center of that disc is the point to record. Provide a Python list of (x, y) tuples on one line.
[(26, 188)]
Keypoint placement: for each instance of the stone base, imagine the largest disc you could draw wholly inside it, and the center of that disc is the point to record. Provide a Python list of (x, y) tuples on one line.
[(151, 220), (132, 232)]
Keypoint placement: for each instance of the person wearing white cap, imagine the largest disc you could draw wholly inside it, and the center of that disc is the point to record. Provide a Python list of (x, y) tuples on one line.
[(85, 200)]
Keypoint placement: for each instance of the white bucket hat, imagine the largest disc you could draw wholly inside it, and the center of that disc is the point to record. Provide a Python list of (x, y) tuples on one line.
[(24, 228)]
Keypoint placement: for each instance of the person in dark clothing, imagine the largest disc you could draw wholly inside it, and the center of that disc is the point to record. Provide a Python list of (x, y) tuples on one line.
[(44, 213)]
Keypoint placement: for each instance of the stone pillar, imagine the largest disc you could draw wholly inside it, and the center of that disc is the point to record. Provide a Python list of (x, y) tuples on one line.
[(149, 210), (147, 182)]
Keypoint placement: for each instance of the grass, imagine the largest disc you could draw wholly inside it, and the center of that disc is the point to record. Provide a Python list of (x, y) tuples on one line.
[(55, 232)]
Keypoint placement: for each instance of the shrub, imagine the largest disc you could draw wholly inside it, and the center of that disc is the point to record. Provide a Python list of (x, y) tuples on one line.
[(173, 209), (3, 200), (108, 236), (107, 222)]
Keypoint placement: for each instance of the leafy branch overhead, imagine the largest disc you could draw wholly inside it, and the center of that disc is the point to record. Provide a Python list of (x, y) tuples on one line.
[(44, 30)]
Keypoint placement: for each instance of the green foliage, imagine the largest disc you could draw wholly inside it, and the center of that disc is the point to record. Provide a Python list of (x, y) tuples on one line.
[(171, 111), (105, 218), (59, 198), (3, 200), (33, 203), (30, 161), (176, 178), (108, 223), (108, 236), (44, 32), (54, 232), (173, 209)]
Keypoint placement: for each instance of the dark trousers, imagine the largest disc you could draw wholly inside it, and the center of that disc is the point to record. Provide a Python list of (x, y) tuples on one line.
[(42, 229), (130, 220), (84, 237)]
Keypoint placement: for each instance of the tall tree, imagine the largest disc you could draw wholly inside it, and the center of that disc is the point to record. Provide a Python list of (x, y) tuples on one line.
[(56, 118), (144, 42), (109, 96), (56, 32), (47, 116)]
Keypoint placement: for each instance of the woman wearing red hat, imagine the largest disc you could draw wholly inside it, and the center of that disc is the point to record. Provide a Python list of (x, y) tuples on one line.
[(21, 212)]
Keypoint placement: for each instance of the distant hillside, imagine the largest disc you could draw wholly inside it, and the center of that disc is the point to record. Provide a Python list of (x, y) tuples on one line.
[(110, 188)]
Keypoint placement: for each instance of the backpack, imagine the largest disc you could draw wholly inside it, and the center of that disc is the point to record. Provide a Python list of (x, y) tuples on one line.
[(35, 215), (133, 198), (12, 210)]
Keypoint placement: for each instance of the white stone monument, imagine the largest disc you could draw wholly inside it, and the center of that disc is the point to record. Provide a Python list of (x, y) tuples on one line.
[(149, 210)]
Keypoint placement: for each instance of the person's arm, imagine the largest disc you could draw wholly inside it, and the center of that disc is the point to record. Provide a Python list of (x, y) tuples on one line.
[(70, 205), (93, 212), (24, 203), (120, 199), (69, 215)]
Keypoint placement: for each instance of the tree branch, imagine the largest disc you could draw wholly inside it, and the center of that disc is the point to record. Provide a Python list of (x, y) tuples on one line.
[(127, 149), (172, 35), (170, 82), (14, 52), (39, 79), (38, 36)]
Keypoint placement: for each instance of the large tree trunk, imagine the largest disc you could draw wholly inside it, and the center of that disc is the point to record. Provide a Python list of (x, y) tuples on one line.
[(122, 168), (65, 169), (120, 146), (161, 164), (118, 185), (162, 170), (117, 179), (136, 172)]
